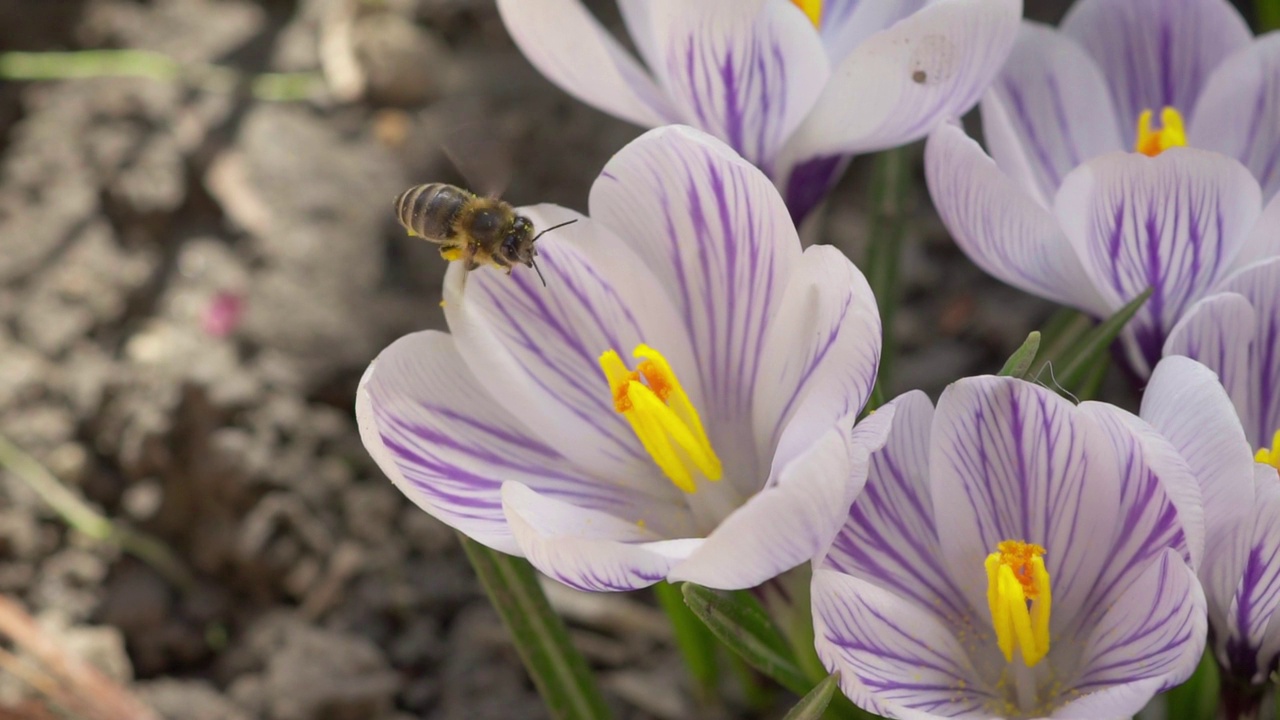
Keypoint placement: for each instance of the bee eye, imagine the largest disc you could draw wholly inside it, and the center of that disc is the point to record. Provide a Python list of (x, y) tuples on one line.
[(510, 246)]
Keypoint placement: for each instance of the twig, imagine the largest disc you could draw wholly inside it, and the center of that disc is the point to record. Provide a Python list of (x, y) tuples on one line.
[(65, 679), (83, 64), (76, 513)]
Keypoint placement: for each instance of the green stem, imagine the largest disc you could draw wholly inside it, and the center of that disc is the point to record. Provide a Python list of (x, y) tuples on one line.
[(83, 64), (1268, 15), (558, 670), (78, 514), (696, 643), (884, 253)]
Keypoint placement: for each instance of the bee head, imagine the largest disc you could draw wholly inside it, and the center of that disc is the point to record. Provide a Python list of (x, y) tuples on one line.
[(517, 244)]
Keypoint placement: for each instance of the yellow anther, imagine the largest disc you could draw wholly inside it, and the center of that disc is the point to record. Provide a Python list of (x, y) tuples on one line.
[(1270, 456), (812, 8), (662, 416), (1020, 600), (1152, 142)]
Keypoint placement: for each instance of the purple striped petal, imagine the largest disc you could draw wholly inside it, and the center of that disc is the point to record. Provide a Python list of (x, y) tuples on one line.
[(573, 50), (1260, 283), (1048, 111), (1013, 461), (713, 230), (1218, 332), (901, 82), (1174, 223), (448, 446), (846, 24), (889, 537), (1236, 113), (745, 71), (819, 357), (543, 343), (588, 550), (1156, 53), (1001, 228), (1186, 404), (1244, 591), (794, 519), (1154, 632), (1264, 240), (896, 658)]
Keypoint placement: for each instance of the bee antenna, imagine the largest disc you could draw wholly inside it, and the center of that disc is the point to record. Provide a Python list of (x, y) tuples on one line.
[(534, 265), (553, 227)]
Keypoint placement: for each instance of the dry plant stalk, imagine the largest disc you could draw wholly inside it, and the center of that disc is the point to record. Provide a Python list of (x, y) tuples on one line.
[(69, 682)]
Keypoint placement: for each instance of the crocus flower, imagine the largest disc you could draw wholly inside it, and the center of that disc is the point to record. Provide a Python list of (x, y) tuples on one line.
[(1099, 189), (1236, 333), (677, 402), (1014, 556), (794, 88)]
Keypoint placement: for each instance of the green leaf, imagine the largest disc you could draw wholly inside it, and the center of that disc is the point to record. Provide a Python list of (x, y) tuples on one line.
[(1070, 360), (696, 643), (1268, 15), (558, 670), (739, 622), (812, 706), (889, 188), (1019, 363), (1197, 698)]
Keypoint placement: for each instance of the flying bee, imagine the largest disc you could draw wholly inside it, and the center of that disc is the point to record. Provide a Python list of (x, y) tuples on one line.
[(469, 228)]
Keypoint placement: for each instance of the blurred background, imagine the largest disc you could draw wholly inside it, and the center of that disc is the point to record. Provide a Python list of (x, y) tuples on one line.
[(196, 268)]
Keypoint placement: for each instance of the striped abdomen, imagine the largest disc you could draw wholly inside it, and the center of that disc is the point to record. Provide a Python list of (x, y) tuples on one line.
[(432, 210)]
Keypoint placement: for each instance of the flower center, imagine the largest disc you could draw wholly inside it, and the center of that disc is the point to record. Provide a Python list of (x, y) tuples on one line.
[(812, 8), (664, 419), (1152, 142), (1018, 593), (1270, 456)]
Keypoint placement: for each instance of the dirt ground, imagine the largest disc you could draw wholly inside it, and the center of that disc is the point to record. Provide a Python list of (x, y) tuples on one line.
[(192, 280)]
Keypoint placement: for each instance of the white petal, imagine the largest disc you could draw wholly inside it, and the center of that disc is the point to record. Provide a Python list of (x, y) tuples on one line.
[(1218, 331), (894, 658), (846, 24), (1236, 112), (1156, 53), (1000, 227), (820, 354), (889, 537), (448, 446), (585, 549), (1154, 631), (1264, 239), (900, 83), (1250, 636), (1174, 223), (745, 71), (569, 46), (713, 230), (794, 520), (1260, 283), (541, 345), (1187, 405), (1048, 111), (1010, 460)]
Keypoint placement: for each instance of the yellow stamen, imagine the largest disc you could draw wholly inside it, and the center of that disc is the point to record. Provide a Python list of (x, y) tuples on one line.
[(1153, 142), (1020, 600), (662, 416), (1270, 456), (812, 8)]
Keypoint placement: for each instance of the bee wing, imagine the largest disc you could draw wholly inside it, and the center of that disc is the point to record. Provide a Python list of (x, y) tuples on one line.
[(482, 154)]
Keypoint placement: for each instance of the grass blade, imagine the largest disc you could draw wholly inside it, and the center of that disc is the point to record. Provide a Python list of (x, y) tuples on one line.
[(696, 643), (558, 670), (889, 188), (1268, 15), (1079, 362), (813, 705), (742, 625)]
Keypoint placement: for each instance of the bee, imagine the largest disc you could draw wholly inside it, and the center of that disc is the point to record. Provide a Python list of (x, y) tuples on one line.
[(469, 228)]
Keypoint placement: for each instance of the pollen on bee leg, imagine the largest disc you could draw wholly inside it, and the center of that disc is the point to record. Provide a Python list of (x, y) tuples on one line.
[(1020, 600), (662, 417), (451, 254), (1152, 142)]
